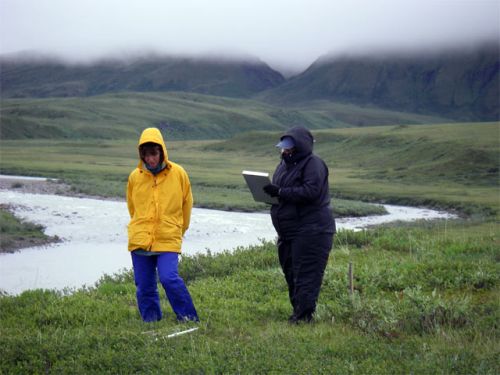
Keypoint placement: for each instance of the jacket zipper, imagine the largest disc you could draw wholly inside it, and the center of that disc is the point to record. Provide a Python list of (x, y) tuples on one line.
[(155, 217)]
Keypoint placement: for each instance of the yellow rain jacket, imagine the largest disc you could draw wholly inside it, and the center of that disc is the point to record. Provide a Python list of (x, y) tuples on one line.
[(159, 206)]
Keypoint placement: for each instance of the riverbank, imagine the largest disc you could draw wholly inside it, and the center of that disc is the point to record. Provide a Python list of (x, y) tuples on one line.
[(96, 229), (53, 187), (19, 234), (37, 210), (425, 301), (40, 185)]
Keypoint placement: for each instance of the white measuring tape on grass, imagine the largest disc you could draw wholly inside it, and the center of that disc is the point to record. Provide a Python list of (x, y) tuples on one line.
[(153, 333)]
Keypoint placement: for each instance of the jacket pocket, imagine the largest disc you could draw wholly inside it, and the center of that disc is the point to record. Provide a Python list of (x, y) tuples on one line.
[(138, 239), (169, 231)]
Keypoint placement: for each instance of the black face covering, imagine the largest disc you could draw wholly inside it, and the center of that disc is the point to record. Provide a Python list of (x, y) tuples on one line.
[(289, 158)]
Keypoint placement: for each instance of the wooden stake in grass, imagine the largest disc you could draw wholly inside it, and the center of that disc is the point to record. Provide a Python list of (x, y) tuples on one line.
[(351, 278)]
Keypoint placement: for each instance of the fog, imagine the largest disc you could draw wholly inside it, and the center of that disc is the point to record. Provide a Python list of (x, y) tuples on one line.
[(286, 34)]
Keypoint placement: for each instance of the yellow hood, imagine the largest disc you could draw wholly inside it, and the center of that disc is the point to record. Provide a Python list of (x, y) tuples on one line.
[(152, 135)]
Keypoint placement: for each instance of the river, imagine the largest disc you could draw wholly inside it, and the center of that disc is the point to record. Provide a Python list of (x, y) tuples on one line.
[(95, 238)]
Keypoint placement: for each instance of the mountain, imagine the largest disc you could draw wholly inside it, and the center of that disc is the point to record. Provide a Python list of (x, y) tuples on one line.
[(458, 85), (462, 84), (52, 78)]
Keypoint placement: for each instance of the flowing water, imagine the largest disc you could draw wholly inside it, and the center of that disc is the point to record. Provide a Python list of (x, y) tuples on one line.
[(94, 237)]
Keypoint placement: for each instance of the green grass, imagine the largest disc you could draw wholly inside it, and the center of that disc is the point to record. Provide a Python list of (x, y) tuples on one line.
[(102, 168), (452, 166), (426, 295), (425, 301)]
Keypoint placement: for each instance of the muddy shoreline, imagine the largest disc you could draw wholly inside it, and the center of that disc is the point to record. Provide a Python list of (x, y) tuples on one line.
[(43, 186)]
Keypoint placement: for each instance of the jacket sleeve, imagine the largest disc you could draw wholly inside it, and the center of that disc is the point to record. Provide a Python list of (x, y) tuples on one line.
[(130, 202), (314, 174), (187, 203)]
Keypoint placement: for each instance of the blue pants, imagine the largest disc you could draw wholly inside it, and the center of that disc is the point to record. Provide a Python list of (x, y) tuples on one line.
[(148, 300)]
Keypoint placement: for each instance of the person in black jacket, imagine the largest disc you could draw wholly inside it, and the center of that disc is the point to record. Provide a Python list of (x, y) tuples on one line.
[(303, 220)]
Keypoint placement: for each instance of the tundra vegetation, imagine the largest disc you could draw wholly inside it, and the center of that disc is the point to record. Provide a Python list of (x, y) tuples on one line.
[(425, 295)]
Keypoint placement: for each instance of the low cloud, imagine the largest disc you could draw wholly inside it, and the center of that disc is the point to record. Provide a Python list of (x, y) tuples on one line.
[(288, 35)]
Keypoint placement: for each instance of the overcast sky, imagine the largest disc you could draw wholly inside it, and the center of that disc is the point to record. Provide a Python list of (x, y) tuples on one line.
[(282, 33)]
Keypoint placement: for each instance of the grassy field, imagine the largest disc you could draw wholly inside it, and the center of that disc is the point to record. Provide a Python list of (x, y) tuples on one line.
[(446, 165), (450, 165), (426, 301), (426, 295), (102, 167)]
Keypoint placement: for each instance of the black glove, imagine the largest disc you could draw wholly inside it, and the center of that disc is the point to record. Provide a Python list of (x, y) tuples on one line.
[(271, 190)]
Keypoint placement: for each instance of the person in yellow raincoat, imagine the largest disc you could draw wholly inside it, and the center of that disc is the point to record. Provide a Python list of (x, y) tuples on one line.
[(159, 201)]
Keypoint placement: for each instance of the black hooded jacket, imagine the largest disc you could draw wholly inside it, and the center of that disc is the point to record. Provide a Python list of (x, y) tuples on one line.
[(304, 197)]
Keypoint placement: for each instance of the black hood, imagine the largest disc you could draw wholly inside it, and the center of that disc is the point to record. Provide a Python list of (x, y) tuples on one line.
[(303, 139)]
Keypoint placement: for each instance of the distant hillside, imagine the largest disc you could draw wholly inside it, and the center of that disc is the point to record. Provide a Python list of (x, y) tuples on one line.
[(460, 84), (181, 115), (51, 78)]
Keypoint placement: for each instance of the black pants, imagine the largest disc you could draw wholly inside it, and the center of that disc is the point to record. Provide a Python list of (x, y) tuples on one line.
[(303, 261)]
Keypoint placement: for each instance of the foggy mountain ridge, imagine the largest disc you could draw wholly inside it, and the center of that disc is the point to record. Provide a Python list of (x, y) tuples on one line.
[(459, 84), (50, 77)]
